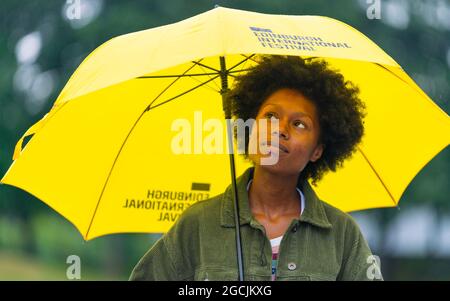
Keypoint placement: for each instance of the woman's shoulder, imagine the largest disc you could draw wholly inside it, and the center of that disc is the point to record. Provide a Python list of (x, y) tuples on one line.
[(202, 210), (193, 221), (338, 218)]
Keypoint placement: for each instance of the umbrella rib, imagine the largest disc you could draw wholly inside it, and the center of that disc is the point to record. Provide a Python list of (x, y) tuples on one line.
[(181, 94), (110, 172), (179, 75), (250, 57), (212, 88), (212, 73), (172, 83), (242, 70), (208, 67), (126, 139), (243, 61), (200, 74), (378, 176), (123, 144), (216, 73), (379, 65)]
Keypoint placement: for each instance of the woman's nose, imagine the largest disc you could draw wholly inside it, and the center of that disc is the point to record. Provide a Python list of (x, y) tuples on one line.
[(281, 129)]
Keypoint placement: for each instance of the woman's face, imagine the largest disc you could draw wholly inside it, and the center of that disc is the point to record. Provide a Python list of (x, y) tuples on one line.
[(298, 134)]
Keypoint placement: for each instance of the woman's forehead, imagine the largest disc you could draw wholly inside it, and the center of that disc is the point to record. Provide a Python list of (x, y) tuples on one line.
[(291, 101)]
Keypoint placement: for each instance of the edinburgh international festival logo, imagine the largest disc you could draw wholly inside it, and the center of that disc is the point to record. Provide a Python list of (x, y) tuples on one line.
[(268, 38)]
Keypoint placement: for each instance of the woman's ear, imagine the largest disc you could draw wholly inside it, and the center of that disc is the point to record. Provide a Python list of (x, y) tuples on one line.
[(317, 153)]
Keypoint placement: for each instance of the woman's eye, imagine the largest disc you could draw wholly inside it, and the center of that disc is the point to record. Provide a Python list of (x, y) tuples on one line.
[(300, 124), (270, 115)]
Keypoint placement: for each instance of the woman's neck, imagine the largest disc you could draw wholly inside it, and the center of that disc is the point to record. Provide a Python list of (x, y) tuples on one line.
[(273, 195)]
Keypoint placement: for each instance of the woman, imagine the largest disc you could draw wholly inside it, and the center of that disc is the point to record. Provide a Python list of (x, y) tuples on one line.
[(287, 232)]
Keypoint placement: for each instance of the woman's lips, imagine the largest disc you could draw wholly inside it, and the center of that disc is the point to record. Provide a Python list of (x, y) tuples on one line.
[(279, 146)]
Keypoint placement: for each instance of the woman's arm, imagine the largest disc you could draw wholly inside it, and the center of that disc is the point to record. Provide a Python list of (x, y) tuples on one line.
[(172, 257), (156, 264), (359, 263)]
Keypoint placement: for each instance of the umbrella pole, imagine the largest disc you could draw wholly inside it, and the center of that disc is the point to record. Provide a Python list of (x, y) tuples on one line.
[(227, 110)]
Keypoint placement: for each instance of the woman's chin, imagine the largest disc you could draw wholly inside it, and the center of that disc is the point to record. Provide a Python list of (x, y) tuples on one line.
[(272, 163)]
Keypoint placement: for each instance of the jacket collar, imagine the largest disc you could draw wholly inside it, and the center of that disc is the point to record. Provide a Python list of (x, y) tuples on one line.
[(314, 213)]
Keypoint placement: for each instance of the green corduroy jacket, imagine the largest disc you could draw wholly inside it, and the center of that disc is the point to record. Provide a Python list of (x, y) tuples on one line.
[(324, 243)]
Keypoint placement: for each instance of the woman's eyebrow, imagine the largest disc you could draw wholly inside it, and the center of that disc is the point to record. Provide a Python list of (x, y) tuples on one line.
[(300, 114)]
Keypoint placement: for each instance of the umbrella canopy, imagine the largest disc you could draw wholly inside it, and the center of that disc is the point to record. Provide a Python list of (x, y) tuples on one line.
[(103, 157)]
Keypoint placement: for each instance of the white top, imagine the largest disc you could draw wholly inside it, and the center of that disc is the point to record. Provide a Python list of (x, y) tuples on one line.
[(277, 240)]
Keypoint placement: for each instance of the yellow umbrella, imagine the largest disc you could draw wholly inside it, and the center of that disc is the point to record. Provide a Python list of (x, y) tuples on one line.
[(103, 156)]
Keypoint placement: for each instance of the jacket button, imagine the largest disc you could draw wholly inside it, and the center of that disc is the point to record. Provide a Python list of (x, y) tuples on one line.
[(295, 228), (292, 266)]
